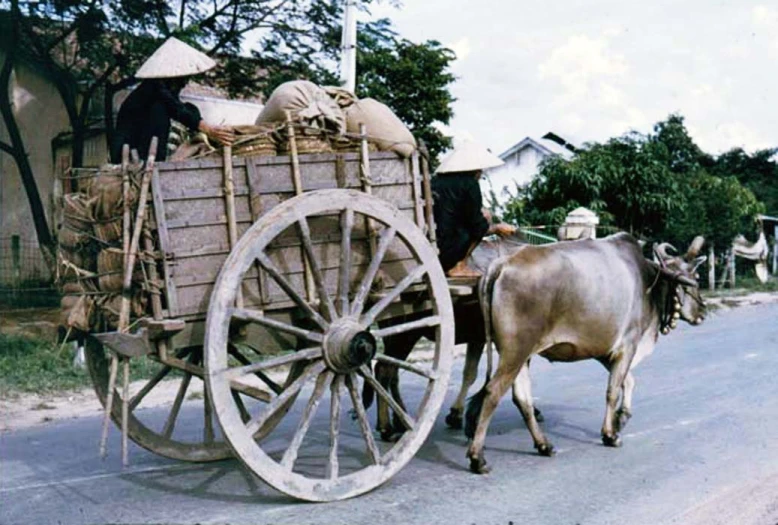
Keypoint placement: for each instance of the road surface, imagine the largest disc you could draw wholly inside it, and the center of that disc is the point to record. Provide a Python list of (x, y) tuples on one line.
[(702, 447)]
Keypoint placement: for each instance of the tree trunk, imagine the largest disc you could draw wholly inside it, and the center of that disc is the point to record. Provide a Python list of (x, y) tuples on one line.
[(17, 151)]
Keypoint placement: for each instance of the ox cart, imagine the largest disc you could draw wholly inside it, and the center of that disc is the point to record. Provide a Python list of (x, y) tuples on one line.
[(274, 280)]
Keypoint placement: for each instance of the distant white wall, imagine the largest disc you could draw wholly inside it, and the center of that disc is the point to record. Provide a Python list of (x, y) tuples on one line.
[(519, 168), (222, 112)]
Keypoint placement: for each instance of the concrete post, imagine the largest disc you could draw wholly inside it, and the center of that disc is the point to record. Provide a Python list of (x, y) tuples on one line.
[(711, 269)]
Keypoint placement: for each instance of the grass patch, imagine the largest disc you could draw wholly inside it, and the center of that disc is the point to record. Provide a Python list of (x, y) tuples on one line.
[(32, 365), (29, 365), (744, 286)]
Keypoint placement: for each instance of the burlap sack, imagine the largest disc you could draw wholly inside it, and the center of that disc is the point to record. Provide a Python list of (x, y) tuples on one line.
[(383, 126), (71, 239), (110, 269), (78, 212), (107, 191), (110, 308), (77, 311), (307, 103)]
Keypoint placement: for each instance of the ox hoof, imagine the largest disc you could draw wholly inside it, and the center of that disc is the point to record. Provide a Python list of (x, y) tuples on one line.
[(611, 441), (539, 415), (454, 419), (546, 449), (478, 465)]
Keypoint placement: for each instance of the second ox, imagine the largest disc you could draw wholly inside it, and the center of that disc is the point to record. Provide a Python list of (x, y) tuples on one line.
[(598, 299)]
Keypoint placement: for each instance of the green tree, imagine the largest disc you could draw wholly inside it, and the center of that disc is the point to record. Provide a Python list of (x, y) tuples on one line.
[(660, 186), (412, 79), (758, 172)]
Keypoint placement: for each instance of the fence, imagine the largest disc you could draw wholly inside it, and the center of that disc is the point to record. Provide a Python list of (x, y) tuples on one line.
[(25, 280), (548, 234)]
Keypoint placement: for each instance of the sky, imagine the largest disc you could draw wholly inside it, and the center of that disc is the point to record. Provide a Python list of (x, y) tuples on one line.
[(594, 69)]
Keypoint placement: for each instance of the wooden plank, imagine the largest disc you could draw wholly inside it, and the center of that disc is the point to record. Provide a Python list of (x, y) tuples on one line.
[(416, 186), (164, 245)]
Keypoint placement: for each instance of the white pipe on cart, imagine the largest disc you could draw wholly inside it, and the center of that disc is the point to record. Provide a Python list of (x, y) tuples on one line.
[(348, 47)]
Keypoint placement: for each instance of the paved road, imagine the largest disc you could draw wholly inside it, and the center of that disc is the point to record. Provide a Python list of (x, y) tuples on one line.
[(701, 448)]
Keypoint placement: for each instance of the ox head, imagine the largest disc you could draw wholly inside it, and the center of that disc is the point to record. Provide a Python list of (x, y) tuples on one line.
[(681, 272)]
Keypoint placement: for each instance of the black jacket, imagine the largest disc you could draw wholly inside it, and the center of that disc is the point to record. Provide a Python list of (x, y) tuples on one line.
[(459, 220), (147, 113)]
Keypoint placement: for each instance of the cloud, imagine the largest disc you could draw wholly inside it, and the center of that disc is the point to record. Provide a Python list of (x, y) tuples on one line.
[(462, 48), (580, 62)]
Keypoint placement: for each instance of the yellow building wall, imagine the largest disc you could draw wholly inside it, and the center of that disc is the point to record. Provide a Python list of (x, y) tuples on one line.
[(40, 116)]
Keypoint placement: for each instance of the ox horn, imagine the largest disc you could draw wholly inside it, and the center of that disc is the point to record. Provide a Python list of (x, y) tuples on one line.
[(661, 250), (694, 248)]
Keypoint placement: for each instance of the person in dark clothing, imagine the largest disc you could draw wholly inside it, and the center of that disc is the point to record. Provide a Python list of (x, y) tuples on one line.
[(148, 110), (460, 219)]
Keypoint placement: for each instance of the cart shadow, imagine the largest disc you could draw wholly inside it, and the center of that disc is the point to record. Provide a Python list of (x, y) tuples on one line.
[(225, 481)]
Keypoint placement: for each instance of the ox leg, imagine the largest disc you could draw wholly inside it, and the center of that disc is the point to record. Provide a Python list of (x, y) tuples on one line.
[(624, 413), (522, 398), (388, 375), (619, 367), (469, 375), (495, 389)]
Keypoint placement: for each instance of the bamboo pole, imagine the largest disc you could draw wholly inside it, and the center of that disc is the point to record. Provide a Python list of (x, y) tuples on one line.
[(229, 197), (367, 183), (427, 185), (310, 287), (124, 314)]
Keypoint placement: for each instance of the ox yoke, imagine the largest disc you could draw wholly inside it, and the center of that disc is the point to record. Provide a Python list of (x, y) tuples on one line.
[(578, 300)]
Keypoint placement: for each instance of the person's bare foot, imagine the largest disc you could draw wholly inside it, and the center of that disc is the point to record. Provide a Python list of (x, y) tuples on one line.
[(463, 271)]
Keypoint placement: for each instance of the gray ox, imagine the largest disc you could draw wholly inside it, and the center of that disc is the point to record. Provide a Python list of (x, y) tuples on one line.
[(577, 300)]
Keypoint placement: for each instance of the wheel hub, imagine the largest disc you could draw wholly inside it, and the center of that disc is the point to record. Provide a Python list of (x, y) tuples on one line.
[(347, 346)]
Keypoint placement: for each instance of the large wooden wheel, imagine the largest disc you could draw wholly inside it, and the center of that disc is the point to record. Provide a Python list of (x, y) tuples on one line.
[(324, 455), (191, 436)]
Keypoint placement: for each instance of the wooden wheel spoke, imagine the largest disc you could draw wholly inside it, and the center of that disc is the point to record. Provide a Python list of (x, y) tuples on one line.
[(244, 314), (143, 392), (170, 423), (393, 294), (279, 402), (270, 268), (207, 416), (386, 238), (273, 362), (364, 424), (424, 372), (326, 300), (333, 465), (407, 420), (322, 382), (244, 414), (234, 352), (433, 320), (346, 227)]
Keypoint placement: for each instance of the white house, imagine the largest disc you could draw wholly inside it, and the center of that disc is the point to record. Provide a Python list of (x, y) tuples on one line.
[(522, 161)]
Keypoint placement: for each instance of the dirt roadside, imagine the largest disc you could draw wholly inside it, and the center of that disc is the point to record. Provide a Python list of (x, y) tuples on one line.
[(27, 410)]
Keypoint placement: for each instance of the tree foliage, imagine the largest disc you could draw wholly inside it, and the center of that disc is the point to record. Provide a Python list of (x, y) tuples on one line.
[(90, 49), (659, 186), (412, 79)]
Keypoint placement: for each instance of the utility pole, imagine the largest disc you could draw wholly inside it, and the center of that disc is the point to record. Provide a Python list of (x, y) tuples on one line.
[(348, 46)]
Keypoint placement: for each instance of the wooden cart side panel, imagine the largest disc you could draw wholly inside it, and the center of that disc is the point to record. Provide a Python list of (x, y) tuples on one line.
[(196, 230), (169, 294)]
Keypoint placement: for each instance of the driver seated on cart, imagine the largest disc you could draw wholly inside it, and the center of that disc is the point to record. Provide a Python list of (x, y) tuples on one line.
[(148, 110), (460, 217)]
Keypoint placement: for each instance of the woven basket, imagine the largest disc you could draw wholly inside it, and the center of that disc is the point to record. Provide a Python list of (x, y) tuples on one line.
[(307, 145), (77, 311)]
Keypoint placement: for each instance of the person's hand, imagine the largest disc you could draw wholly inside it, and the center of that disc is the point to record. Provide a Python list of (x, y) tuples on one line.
[(504, 230), (224, 136), (487, 215)]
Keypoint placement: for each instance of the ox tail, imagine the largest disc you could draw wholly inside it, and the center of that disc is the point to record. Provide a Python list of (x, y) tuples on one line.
[(485, 291)]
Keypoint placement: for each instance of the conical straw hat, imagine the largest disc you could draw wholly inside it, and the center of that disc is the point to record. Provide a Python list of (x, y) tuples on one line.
[(469, 156), (175, 59)]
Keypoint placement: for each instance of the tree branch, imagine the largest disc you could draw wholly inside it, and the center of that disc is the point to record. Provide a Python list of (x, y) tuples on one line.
[(7, 148)]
